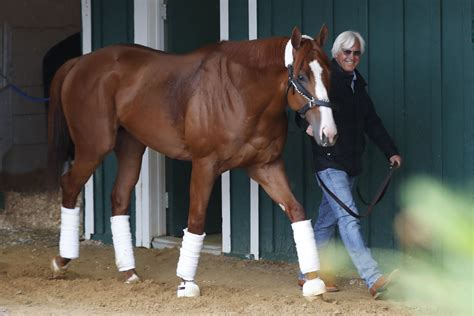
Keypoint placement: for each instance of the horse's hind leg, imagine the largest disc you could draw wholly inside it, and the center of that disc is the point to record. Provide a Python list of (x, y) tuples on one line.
[(203, 176), (273, 179), (129, 153), (86, 161)]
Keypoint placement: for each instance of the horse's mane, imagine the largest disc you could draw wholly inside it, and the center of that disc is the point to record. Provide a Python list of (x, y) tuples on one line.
[(259, 53)]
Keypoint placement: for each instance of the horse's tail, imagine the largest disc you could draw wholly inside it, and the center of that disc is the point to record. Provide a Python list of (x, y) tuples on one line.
[(60, 145)]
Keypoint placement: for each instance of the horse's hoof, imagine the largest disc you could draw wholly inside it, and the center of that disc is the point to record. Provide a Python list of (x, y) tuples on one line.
[(188, 289), (133, 279), (58, 272), (314, 298), (313, 289)]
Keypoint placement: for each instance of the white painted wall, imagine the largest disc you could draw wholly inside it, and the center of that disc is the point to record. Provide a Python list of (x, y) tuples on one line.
[(150, 188)]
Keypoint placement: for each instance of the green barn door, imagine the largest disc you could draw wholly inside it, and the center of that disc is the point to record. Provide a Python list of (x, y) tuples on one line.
[(189, 25), (418, 66), (112, 23)]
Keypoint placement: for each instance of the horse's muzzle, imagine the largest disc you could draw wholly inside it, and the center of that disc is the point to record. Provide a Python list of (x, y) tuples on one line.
[(324, 128), (326, 141)]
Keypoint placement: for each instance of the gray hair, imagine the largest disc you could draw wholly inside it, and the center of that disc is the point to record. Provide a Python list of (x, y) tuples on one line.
[(346, 40)]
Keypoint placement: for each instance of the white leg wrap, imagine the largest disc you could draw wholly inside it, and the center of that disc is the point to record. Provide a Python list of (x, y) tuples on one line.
[(189, 255), (69, 236), (122, 239), (306, 246)]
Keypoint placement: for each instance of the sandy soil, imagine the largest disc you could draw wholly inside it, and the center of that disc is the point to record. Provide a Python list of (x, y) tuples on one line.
[(94, 287)]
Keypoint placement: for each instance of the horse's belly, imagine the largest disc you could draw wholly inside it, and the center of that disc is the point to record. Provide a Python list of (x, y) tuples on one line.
[(171, 150), (159, 136), (249, 154)]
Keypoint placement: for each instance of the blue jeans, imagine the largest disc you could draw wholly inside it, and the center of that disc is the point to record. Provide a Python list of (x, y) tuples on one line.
[(332, 214)]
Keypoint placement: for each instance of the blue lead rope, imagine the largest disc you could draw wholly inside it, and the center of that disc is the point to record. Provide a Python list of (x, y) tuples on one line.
[(24, 94), (20, 92)]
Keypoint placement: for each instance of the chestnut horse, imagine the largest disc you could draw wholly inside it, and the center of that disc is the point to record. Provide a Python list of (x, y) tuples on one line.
[(221, 106)]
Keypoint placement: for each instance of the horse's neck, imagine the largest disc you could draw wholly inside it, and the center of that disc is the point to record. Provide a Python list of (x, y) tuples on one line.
[(265, 61), (257, 54)]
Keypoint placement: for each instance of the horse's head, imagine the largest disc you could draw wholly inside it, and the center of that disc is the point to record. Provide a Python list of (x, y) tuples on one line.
[(308, 78)]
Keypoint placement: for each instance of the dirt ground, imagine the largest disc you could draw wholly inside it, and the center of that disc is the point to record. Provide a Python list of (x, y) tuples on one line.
[(29, 239)]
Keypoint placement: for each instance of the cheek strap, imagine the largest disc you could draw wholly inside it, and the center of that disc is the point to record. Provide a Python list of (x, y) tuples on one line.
[(299, 87)]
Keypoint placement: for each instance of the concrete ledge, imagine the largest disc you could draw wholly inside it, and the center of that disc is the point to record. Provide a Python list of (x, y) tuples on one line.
[(175, 242)]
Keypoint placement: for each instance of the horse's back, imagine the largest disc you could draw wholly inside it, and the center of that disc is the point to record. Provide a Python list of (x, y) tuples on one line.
[(144, 90), (183, 106)]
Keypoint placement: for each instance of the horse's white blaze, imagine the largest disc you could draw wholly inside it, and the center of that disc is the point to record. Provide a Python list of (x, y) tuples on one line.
[(320, 90), (328, 126)]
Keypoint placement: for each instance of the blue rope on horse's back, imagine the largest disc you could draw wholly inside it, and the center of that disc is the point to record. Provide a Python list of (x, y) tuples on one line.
[(21, 92)]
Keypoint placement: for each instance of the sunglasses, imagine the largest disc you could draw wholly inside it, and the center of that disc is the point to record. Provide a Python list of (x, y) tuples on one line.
[(348, 52)]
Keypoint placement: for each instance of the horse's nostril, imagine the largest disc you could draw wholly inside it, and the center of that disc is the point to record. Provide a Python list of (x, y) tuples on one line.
[(325, 140), (328, 140)]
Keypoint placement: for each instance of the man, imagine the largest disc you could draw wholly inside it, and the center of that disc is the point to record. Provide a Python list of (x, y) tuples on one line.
[(338, 166)]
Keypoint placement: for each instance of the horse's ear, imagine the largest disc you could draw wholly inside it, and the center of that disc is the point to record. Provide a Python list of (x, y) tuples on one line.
[(323, 35), (296, 38)]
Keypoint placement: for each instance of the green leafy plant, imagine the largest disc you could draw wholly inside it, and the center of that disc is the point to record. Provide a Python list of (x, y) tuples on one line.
[(435, 229)]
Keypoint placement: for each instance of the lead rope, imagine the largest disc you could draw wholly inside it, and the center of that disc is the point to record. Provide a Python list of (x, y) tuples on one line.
[(377, 198), (20, 92)]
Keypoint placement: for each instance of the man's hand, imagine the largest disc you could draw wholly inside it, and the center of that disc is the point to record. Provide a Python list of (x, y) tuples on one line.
[(395, 160), (309, 131)]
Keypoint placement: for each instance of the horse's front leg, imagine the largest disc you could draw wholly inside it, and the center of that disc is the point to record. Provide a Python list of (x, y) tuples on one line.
[(272, 178), (203, 176)]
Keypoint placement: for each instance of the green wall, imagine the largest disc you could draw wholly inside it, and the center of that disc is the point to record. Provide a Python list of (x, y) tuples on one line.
[(239, 181), (418, 66)]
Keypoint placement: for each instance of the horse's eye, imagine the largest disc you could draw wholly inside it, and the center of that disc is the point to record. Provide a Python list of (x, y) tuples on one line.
[(300, 77)]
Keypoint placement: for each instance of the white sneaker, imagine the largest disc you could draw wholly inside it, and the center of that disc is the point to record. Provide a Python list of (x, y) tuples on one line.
[(313, 288), (188, 289)]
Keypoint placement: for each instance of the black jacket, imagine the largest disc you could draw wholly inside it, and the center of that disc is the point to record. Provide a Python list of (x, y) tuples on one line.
[(355, 116)]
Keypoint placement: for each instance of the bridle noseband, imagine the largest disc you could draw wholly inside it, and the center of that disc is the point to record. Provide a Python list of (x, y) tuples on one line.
[(299, 87)]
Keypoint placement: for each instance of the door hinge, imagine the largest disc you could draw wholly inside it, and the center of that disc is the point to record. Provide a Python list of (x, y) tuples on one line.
[(166, 200), (163, 11)]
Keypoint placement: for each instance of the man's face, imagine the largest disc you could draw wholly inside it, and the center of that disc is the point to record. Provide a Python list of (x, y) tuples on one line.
[(348, 59)]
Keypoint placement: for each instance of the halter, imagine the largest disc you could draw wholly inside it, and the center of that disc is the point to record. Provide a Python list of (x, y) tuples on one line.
[(299, 87)]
